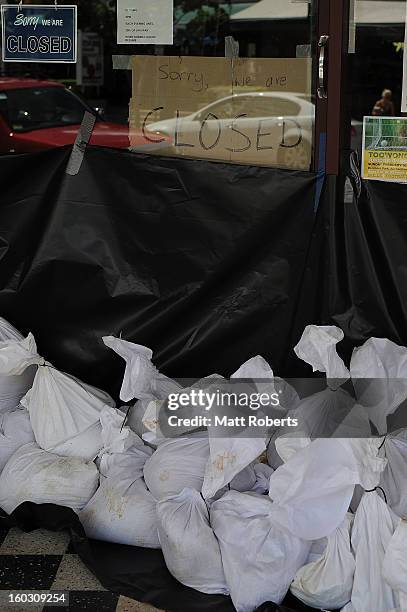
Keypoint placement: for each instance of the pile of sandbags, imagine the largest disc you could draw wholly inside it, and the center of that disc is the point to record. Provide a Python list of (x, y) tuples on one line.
[(319, 509)]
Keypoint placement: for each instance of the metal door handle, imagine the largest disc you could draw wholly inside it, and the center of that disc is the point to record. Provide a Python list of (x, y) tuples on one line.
[(323, 42)]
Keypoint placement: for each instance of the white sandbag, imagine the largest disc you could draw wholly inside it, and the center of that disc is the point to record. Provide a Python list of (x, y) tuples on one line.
[(373, 528), (141, 378), (288, 445), (327, 413), (332, 413), (395, 563), (384, 364), (356, 498), (245, 480), (318, 348), (263, 377), (64, 412), (313, 490), (259, 559), (190, 548), (123, 516), (118, 438), (318, 548), (135, 416), (16, 356), (177, 464), (15, 431), (228, 457), (157, 412), (122, 510), (355, 424), (327, 583), (254, 478), (143, 419), (13, 386), (34, 475), (231, 455), (288, 442), (394, 477), (256, 368), (150, 422)]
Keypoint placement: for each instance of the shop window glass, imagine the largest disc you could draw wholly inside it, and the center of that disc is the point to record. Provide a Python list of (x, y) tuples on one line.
[(265, 29)]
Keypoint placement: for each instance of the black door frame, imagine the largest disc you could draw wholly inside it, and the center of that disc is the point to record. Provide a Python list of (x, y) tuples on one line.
[(332, 119)]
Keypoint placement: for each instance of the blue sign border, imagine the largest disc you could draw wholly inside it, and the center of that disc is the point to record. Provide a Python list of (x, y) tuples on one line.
[(48, 7)]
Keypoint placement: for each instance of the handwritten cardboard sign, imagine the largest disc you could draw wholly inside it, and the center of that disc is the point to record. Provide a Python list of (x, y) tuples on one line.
[(256, 111), (39, 33)]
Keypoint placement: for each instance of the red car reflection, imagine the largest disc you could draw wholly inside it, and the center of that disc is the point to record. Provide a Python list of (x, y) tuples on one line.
[(37, 115)]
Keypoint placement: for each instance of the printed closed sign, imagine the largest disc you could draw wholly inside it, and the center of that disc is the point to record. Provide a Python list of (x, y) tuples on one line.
[(39, 33)]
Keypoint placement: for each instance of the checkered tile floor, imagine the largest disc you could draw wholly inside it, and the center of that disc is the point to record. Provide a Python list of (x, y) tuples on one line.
[(43, 560)]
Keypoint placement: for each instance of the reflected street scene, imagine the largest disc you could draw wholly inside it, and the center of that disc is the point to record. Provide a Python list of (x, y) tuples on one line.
[(263, 127), (246, 110), (232, 117)]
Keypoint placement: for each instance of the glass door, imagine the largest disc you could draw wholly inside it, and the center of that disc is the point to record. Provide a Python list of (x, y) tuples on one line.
[(254, 105), (248, 82)]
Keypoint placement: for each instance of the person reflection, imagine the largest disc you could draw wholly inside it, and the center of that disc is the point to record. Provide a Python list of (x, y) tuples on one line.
[(384, 107)]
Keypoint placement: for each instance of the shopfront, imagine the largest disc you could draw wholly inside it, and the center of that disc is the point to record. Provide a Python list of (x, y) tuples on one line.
[(192, 193)]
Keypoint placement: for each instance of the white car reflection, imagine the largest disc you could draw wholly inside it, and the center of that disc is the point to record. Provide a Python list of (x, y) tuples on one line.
[(261, 127)]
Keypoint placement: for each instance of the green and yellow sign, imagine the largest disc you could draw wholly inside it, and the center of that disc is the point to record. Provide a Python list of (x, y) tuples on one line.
[(384, 149)]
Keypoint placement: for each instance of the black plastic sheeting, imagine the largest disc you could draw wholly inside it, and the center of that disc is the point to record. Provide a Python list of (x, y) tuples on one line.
[(368, 264), (139, 573), (206, 263)]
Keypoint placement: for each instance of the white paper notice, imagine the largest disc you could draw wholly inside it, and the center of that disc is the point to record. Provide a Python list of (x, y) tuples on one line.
[(145, 22)]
